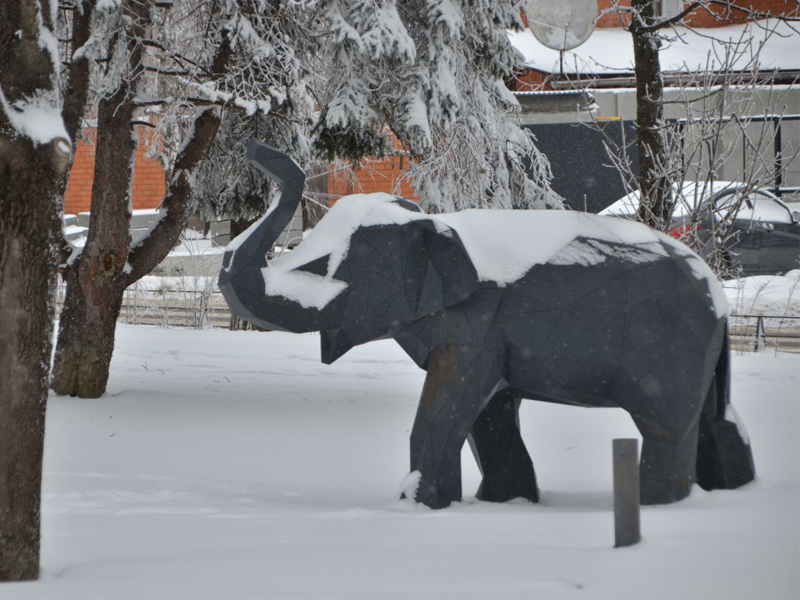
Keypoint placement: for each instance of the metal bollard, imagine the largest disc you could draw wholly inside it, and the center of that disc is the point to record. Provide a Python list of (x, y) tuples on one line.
[(626, 492), (761, 336)]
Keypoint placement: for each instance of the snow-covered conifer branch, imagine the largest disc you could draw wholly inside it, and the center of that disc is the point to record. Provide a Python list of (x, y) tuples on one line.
[(444, 99)]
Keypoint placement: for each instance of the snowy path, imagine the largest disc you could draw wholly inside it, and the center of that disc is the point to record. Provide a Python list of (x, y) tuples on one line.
[(235, 465)]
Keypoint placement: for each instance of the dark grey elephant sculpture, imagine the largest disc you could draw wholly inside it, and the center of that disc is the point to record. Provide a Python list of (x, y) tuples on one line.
[(498, 306)]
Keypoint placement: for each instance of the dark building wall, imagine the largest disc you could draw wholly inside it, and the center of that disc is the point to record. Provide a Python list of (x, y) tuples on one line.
[(581, 167)]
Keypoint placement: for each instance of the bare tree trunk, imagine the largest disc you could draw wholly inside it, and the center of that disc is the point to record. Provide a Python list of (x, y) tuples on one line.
[(654, 184), (76, 97), (78, 72), (152, 249), (77, 91), (96, 283), (29, 227), (96, 280)]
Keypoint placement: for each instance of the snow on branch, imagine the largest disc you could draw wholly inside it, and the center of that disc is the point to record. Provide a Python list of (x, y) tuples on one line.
[(443, 98), (37, 115), (37, 118)]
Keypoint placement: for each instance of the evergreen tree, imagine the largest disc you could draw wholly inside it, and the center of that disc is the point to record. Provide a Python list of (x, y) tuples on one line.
[(432, 73)]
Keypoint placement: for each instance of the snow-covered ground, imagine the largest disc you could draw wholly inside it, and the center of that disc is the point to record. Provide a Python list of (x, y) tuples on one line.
[(235, 465), (765, 295)]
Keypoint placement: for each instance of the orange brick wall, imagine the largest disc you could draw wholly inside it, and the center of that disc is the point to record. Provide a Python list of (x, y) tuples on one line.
[(373, 175), (715, 16), (530, 81), (722, 16), (612, 19), (78, 197), (149, 180)]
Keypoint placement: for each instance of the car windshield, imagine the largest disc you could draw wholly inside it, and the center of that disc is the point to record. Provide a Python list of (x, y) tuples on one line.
[(692, 195), (758, 207), (694, 198)]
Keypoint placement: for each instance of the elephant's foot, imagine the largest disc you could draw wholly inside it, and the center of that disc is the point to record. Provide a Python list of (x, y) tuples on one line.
[(507, 485), (666, 470), (724, 458), (431, 495), (667, 464), (654, 491)]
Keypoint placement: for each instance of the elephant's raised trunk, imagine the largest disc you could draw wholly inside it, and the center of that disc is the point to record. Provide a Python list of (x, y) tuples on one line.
[(240, 280)]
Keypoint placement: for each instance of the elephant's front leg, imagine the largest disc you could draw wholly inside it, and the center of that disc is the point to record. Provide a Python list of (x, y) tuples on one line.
[(460, 381)]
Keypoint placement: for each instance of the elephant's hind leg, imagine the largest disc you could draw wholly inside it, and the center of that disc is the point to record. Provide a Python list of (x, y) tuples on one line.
[(724, 459), (669, 426), (667, 464), (498, 447)]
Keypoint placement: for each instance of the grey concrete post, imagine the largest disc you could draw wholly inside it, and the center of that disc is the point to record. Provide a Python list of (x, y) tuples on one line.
[(626, 492)]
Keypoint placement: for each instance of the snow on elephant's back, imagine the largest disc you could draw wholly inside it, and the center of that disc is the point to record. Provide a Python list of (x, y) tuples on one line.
[(505, 244)]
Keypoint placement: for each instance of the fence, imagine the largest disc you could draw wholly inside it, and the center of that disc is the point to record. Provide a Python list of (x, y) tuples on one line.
[(751, 333), (196, 303)]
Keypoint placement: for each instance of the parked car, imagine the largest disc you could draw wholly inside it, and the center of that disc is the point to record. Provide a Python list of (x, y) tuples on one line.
[(754, 231)]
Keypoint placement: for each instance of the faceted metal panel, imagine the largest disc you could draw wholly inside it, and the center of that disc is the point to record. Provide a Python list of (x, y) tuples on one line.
[(638, 331)]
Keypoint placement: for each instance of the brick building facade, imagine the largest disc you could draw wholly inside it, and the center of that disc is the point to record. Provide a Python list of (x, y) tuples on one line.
[(715, 15), (149, 179), (388, 175)]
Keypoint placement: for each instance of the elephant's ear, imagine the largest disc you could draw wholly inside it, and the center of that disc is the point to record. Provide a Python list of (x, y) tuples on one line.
[(448, 275)]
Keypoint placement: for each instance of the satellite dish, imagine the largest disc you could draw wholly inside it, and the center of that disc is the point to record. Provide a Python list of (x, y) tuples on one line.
[(561, 25)]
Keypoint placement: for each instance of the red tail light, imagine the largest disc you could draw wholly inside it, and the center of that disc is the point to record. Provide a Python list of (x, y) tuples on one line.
[(684, 231)]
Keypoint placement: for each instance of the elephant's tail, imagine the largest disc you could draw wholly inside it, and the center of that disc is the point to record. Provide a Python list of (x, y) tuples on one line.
[(724, 457), (722, 374)]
